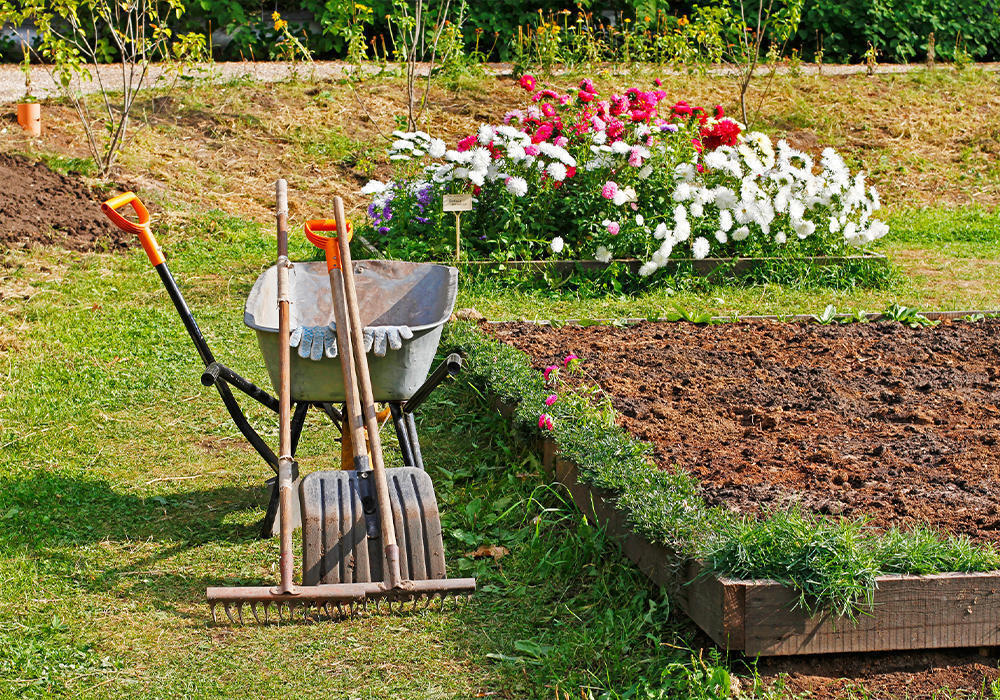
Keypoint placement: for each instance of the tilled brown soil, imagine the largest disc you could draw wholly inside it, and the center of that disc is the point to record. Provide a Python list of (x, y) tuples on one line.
[(42, 206), (881, 420)]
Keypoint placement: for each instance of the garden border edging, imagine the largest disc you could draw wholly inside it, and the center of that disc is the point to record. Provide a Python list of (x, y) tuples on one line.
[(757, 617)]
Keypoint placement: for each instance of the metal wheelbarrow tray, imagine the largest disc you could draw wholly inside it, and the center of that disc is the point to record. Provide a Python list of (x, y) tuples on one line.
[(420, 296)]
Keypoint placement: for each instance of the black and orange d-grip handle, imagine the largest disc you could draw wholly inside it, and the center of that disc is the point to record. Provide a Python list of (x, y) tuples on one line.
[(328, 244), (140, 227)]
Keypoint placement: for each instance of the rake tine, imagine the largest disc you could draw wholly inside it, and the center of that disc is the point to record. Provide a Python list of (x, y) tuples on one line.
[(229, 613), (253, 609), (239, 612), (267, 605), (215, 620)]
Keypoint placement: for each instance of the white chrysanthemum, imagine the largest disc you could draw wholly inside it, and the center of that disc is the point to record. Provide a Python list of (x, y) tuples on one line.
[(700, 248), (640, 220), (682, 192), (557, 244), (437, 148), (876, 229), (741, 233), (658, 259), (725, 219), (477, 177), (780, 238), (666, 248), (623, 196), (399, 156), (517, 186), (716, 160), (834, 224), (373, 187), (721, 237), (445, 173), (686, 172), (682, 230), (725, 198), (803, 228), (557, 171), (400, 134), (850, 231), (620, 148), (480, 159), (661, 231), (602, 254), (422, 135), (515, 152), (401, 145), (457, 156), (486, 134), (600, 137), (646, 269), (646, 171), (697, 210)]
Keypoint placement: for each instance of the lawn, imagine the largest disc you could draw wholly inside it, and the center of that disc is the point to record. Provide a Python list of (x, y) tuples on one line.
[(125, 489)]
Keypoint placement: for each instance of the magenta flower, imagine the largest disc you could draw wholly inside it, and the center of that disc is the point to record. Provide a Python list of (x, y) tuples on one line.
[(610, 189), (549, 370), (551, 399), (531, 150), (568, 359), (613, 228), (527, 82), (545, 421)]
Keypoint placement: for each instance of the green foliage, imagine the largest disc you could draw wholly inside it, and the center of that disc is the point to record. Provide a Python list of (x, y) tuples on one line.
[(831, 563), (900, 28)]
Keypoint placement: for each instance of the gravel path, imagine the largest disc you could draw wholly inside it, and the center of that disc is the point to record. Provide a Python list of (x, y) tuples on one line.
[(12, 81)]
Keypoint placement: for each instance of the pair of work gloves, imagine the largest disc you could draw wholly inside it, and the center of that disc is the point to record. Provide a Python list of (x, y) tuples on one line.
[(315, 342)]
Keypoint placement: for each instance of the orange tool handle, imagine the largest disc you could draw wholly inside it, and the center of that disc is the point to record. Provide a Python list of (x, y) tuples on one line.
[(328, 244), (139, 227)]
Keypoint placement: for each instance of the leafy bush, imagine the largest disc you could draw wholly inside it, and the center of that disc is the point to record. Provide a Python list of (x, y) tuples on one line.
[(576, 176)]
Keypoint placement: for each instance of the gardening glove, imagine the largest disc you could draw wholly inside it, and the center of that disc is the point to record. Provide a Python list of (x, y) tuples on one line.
[(380, 338), (314, 341)]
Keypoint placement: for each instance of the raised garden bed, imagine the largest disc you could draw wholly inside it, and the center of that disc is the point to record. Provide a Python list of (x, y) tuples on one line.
[(751, 615)]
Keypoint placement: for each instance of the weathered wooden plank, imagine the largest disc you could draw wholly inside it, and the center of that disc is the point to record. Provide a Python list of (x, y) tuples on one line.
[(909, 612)]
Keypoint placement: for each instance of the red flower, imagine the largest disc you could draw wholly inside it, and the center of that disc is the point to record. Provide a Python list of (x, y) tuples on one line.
[(542, 133), (466, 143), (527, 82), (548, 110), (570, 171), (724, 132)]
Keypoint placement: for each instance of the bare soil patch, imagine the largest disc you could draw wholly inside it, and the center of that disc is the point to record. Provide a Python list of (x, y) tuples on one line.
[(896, 424), (876, 420), (42, 206)]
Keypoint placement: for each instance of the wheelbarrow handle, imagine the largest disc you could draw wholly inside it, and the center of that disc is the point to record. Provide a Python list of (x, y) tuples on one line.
[(140, 227), (327, 244)]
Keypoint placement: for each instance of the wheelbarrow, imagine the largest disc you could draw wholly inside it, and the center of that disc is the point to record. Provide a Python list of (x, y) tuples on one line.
[(395, 294)]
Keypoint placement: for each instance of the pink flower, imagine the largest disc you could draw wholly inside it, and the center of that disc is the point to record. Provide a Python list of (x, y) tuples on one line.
[(635, 157), (613, 228), (527, 82), (549, 370), (548, 110), (545, 421), (551, 399), (569, 358), (564, 99), (561, 141), (587, 96), (609, 190), (543, 132), (587, 85), (531, 150), (466, 143), (658, 82)]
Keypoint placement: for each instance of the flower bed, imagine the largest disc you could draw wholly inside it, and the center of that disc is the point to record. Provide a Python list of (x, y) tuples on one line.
[(831, 565), (573, 175)]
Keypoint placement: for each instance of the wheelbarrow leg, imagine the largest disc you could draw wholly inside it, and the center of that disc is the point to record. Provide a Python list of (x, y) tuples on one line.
[(411, 431), (402, 435), (267, 525)]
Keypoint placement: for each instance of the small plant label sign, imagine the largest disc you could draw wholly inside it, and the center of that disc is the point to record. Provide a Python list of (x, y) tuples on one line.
[(458, 202)]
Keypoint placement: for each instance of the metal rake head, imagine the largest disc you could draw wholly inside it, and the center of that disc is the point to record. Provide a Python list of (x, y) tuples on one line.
[(305, 611)]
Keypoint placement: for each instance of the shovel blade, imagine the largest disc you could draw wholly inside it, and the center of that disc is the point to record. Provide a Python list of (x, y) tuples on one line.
[(336, 547)]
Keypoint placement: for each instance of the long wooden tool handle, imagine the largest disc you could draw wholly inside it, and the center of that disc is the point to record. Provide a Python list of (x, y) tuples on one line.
[(353, 428), (393, 576), (285, 462)]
